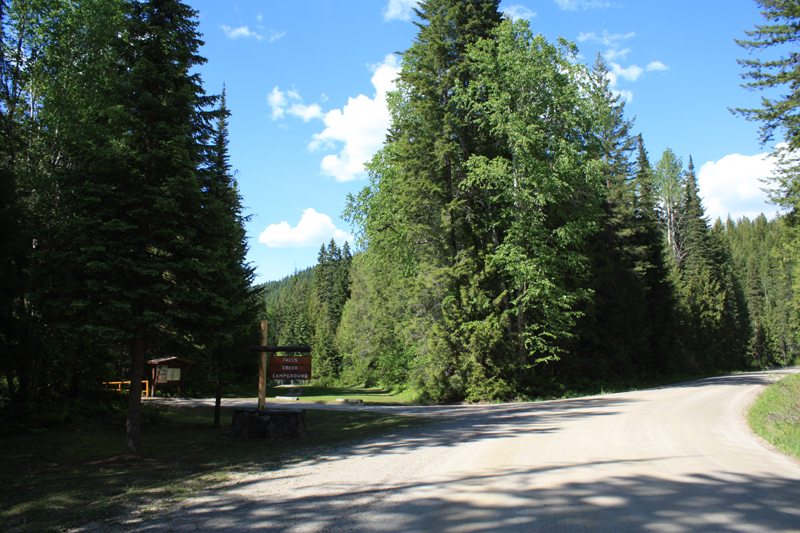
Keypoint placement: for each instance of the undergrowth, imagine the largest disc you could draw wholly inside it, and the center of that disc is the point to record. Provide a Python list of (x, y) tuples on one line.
[(775, 416)]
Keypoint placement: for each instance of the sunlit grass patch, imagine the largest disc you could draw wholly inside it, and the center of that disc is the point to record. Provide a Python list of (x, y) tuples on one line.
[(775, 416), (368, 395)]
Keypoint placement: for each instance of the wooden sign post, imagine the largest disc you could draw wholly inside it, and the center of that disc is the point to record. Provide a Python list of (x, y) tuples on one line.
[(262, 369), (293, 367)]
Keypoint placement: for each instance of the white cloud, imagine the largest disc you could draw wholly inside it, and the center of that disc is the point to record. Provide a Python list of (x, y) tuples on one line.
[(399, 9), (306, 112), (243, 31), (732, 186), (278, 102), (290, 102), (573, 5), (361, 125), (312, 230), (611, 40), (614, 54), (517, 12), (656, 65), (630, 73), (626, 95), (606, 39), (275, 35)]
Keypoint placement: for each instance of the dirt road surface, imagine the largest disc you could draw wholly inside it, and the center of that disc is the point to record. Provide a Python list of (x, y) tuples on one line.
[(673, 459)]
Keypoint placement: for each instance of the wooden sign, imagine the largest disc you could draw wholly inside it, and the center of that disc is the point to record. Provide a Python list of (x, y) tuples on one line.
[(290, 367)]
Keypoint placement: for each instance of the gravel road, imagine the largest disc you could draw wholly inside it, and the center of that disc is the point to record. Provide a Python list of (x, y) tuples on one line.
[(673, 459)]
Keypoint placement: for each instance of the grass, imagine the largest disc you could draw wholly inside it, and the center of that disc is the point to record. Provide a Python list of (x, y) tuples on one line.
[(775, 416), (318, 394), (371, 396), (74, 475)]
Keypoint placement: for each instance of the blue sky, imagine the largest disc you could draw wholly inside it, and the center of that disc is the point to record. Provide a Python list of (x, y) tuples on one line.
[(306, 82)]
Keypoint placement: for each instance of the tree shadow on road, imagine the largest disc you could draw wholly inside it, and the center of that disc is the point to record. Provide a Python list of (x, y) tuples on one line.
[(511, 500), (506, 499), (491, 422)]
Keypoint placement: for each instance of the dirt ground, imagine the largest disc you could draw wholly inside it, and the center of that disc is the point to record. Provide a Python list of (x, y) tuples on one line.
[(674, 459)]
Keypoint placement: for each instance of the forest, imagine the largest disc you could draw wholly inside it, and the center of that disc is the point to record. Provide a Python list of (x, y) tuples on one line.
[(515, 239)]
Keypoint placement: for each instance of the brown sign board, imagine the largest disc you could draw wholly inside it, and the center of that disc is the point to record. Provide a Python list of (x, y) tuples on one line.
[(290, 367)]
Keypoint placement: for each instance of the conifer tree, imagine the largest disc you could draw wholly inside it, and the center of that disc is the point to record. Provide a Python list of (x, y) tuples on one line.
[(226, 300), (611, 332), (717, 318), (420, 211), (660, 326), (53, 58), (13, 246), (330, 293), (645, 200), (762, 263), (483, 197), (777, 114), (134, 252), (693, 230), (613, 135)]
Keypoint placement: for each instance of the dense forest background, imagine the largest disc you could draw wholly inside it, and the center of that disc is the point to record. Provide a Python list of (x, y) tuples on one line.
[(515, 239), (746, 320)]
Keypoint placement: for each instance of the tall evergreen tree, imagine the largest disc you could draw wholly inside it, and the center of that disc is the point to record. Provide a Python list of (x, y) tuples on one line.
[(779, 114), (765, 267), (227, 302), (719, 328), (616, 332), (13, 246), (134, 250), (661, 323), (55, 57), (421, 212), (483, 197), (331, 290), (693, 230), (615, 142)]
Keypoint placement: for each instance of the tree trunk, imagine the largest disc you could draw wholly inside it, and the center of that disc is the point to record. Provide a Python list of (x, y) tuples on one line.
[(12, 390), (133, 444), (218, 403)]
